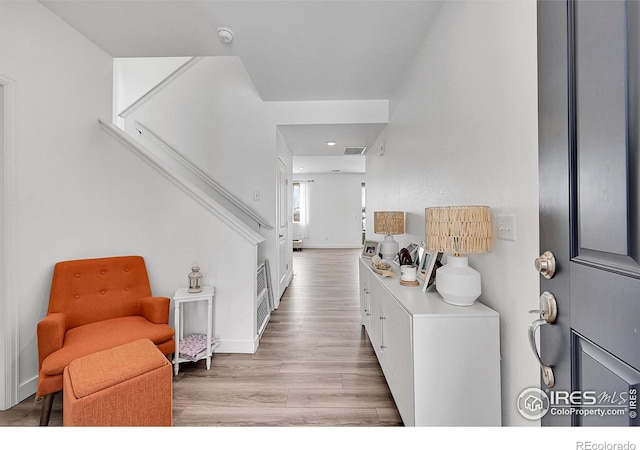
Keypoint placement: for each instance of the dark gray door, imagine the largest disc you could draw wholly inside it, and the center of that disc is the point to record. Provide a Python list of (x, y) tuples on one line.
[(589, 76)]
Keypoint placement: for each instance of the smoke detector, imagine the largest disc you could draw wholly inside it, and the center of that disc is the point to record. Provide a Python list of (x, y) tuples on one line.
[(225, 35)]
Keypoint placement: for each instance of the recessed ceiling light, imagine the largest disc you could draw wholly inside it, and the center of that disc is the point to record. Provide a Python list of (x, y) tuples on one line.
[(331, 143)]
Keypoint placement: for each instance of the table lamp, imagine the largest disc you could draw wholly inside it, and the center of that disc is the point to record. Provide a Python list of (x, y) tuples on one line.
[(388, 223), (458, 231)]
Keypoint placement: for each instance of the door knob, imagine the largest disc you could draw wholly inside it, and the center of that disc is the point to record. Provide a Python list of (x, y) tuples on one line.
[(547, 315), (546, 264)]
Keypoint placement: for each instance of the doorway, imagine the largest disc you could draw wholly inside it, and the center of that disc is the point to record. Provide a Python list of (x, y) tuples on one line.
[(284, 239)]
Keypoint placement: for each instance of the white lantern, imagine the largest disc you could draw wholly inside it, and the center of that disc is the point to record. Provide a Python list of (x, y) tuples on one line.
[(195, 280)]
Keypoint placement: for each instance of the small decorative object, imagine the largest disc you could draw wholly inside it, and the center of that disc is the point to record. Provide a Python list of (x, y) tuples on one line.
[(381, 267), (408, 276), (459, 230), (404, 258), (370, 248), (195, 279), (408, 273), (388, 223), (413, 251)]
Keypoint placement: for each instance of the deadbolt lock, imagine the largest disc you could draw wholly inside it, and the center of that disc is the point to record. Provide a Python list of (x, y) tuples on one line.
[(546, 264)]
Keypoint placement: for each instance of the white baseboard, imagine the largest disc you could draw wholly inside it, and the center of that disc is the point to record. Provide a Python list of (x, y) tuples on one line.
[(237, 346), (27, 388)]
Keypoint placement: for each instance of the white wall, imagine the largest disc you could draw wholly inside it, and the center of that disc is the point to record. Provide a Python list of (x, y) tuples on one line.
[(463, 130), (335, 211), (134, 77), (80, 194), (213, 115)]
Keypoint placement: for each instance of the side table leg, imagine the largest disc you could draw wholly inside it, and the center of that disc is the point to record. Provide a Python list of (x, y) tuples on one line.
[(176, 322), (209, 330)]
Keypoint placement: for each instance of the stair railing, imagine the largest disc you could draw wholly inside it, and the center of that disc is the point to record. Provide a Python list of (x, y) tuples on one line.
[(185, 185)]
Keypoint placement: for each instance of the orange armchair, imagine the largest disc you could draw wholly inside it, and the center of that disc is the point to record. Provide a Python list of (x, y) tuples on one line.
[(97, 304)]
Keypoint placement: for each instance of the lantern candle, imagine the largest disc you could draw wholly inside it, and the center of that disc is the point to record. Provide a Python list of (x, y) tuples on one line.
[(195, 280)]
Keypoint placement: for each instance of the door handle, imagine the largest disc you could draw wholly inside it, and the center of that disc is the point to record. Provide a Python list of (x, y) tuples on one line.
[(547, 371), (547, 315)]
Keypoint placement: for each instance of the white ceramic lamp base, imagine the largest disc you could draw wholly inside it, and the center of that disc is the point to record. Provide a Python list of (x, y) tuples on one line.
[(389, 248), (457, 283)]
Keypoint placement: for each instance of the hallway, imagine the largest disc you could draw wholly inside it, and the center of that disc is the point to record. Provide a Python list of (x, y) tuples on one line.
[(314, 367)]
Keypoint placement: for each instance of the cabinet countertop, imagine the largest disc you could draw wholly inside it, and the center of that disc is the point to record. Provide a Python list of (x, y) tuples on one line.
[(426, 304)]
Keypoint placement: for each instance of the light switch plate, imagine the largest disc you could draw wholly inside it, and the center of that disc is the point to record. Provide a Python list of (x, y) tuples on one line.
[(507, 227)]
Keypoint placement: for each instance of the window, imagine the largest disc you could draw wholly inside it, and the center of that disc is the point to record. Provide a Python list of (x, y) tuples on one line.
[(296, 201)]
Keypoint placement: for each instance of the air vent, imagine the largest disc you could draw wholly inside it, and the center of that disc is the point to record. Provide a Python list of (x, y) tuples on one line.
[(354, 150)]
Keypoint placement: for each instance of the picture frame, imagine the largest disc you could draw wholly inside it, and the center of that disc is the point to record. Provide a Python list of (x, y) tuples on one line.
[(427, 268), (413, 251), (422, 248), (370, 248)]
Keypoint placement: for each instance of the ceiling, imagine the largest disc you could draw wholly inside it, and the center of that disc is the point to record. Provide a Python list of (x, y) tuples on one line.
[(293, 50), (313, 155)]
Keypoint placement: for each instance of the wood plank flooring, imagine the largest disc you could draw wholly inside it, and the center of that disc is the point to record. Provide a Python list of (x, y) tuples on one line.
[(314, 367)]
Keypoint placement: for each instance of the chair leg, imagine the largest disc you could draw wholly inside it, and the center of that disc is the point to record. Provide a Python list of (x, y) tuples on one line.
[(45, 414)]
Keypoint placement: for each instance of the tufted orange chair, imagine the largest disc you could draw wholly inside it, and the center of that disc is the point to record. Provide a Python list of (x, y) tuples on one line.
[(97, 304)]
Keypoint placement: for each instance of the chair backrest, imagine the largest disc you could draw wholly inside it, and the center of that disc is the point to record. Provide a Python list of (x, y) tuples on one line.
[(90, 290)]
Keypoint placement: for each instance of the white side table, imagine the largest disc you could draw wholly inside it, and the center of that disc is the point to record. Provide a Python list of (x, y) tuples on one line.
[(181, 296)]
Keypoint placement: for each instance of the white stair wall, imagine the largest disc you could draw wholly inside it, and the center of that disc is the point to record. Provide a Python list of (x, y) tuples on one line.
[(170, 157), (235, 300)]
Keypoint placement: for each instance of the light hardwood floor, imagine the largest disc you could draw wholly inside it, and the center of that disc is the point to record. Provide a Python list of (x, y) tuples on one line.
[(314, 367)]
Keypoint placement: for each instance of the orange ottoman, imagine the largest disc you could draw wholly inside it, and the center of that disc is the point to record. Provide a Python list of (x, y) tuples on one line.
[(129, 385)]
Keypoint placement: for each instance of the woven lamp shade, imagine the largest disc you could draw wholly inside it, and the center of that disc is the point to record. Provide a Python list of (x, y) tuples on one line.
[(388, 222), (459, 229)]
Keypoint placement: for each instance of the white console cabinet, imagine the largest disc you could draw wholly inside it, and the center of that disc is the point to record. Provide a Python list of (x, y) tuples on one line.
[(441, 362)]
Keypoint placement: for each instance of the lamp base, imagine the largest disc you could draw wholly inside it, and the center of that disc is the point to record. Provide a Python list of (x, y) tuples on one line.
[(457, 283), (389, 248)]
